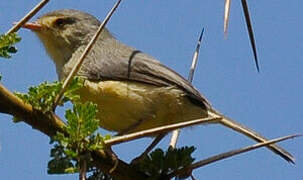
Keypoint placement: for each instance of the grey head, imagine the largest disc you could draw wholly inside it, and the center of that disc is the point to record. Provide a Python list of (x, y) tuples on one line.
[(63, 31)]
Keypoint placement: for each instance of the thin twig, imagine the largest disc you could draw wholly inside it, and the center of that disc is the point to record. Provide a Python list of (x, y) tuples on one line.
[(162, 129), (250, 32), (84, 54), (226, 16), (175, 135), (28, 16), (230, 154)]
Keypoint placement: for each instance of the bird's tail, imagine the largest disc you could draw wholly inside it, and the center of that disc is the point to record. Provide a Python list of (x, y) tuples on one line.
[(251, 134)]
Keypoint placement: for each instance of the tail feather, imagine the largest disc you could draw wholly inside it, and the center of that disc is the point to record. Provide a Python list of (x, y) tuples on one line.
[(252, 134)]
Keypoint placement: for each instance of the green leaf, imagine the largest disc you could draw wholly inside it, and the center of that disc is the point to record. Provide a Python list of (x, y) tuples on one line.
[(59, 162), (71, 170), (159, 163), (80, 138), (71, 93), (6, 44), (81, 121), (42, 97)]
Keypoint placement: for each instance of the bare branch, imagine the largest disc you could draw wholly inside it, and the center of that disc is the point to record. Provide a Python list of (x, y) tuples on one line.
[(163, 129), (83, 169), (48, 124)]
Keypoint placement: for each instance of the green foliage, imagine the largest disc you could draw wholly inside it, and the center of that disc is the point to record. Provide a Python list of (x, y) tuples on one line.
[(71, 93), (60, 163), (159, 163), (80, 139), (6, 44), (42, 97), (80, 135), (81, 127)]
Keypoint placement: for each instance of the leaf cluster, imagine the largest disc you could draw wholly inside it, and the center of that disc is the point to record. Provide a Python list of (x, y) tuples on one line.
[(81, 127), (6, 44), (80, 139), (80, 135), (42, 97), (159, 163)]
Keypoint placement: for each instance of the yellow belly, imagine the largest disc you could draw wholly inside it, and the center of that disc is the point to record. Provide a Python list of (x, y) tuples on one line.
[(124, 104)]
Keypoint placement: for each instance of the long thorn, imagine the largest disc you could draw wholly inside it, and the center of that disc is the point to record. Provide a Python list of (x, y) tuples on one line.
[(250, 32), (230, 154), (175, 135), (226, 16)]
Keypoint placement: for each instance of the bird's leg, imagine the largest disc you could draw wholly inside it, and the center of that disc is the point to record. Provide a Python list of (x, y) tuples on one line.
[(149, 148)]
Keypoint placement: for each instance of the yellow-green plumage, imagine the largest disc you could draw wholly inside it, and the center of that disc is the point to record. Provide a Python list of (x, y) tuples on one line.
[(124, 103)]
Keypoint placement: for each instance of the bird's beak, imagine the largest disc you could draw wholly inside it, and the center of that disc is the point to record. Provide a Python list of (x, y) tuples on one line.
[(34, 26)]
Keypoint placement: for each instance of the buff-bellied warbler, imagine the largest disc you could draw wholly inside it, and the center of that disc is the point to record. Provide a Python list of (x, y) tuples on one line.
[(133, 90)]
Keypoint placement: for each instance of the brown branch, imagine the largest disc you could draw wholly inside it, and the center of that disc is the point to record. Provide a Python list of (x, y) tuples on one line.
[(83, 169), (49, 124)]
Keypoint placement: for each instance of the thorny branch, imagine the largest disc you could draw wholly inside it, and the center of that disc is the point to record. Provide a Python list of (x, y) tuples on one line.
[(49, 124)]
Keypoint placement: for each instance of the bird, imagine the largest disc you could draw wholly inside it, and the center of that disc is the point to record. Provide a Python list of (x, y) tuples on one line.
[(133, 90)]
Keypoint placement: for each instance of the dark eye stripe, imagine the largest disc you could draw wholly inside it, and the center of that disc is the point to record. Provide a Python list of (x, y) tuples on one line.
[(64, 21)]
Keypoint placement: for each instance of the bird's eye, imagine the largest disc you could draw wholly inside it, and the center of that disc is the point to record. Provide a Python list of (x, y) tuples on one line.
[(60, 22)]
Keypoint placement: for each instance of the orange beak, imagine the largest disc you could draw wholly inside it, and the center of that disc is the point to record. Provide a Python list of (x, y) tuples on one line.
[(34, 26)]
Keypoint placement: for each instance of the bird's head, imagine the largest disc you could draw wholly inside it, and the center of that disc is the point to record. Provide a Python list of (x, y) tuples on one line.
[(62, 32)]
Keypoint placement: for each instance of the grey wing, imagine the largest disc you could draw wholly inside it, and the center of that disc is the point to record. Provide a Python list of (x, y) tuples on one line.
[(121, 62)]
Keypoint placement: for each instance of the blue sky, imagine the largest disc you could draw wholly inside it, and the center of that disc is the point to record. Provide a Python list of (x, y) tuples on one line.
[(269, 102)]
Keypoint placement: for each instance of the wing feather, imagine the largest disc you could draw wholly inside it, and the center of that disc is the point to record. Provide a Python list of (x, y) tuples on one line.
[(116, 61)]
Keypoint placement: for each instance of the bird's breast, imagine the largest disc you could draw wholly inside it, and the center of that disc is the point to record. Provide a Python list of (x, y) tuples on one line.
[(125, 104)]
